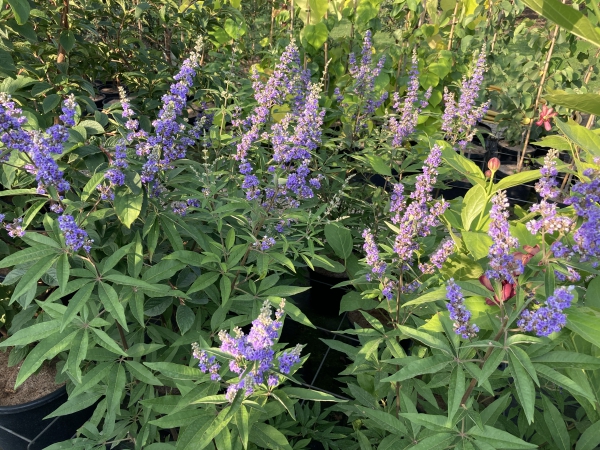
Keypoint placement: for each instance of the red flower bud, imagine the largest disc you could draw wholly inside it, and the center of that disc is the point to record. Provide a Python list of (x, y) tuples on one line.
[(488, 173), (493, 164)]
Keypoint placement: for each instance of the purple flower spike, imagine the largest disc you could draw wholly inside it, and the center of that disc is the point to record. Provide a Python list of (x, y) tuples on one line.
[(459, 312), (550, 318), (75, 237), (503, 265)]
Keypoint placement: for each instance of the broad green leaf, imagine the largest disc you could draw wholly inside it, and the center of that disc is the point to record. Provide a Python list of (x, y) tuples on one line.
[(473, 204), (292, 311), (340, 239), (73, 405), (524, 386), (556, 425), (566, 17), (555, 141), (187, 257), (432, 364), (185, 318), (589, 103), (315, 35), (128, 281), (477, 243), (266, 436), (128, 206), (428, 297), (590, 438), (168, 226), (380, 165), (491, 365), (498, 438), (585, 325), (35, 332), (110, 300), (517, 179), (581, 136), (45, 350), (67, 40), (50, 102), (92, 127), (563, 381), (20, 9), (429, 421), (76, 303), (162, 271), (353, 300), (439, 440), (182, 418), (463, 165), (283, 291), (523, 358)]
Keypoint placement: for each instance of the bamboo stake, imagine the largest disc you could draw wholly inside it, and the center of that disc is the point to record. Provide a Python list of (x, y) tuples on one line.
[(537, 98), (326, 55), (292, 8), (64, 23), (272, 22), (453, 25)]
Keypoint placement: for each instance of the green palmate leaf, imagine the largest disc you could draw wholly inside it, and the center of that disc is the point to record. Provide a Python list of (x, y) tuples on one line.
[(73, 405), (309, 394), (439, 440), (72, 286), (107, 342), (283, 291), (163, 270), (36, 239), (168, 226), (566, 17), (32, 333), (77, 354), (563, 359), (135, 257), (26, 256), (581, 136), (203, 281), (563, 381), (175, 371), (524, 386), (199, 435), (384, 420), (590, 439), (490, 366), (115, 389), (128, 281), (225, 289), (517, 179), (426, 338), (141, 373), (457, 390), (523, 358), (20, 9), (242, 424), (426, 365), (497, 407), (266, 436), (187, 257), (128, 206), (285, 401), (589, 103), (340, 239), (92, 378), (380, 165), (472, 205), (110, 300), (292, 311), (428, 297), (32, 276), (90, 186), (76, 303), (182, 418), (429, 421), (45, 350), (556, 425), (111, 261), (498, 438), (62, 271)]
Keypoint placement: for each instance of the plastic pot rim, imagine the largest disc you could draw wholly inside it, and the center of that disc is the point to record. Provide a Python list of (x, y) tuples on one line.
[(15, 409)]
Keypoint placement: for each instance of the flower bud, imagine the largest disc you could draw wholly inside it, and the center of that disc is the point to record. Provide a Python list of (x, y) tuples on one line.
[(493, 164), (488, 173)]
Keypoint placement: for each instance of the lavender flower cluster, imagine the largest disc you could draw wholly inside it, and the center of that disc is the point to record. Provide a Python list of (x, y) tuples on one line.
[(292, 139), (75, 237), (410, 109), (459, 119), (253, 354), (503, 264), (550, 318), (364, 75), (550, 221), (459, 313), (414, 221), (37, 146)]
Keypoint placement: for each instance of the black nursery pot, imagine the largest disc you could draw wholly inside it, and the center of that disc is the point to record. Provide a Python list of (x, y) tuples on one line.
[(22, 427), (520, 194), (323, 299)]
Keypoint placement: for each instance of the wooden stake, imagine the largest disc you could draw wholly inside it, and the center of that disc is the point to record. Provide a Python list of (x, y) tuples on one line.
[(453, 25), (64, 23)]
